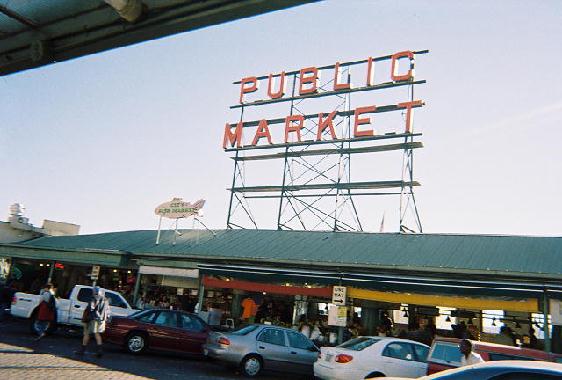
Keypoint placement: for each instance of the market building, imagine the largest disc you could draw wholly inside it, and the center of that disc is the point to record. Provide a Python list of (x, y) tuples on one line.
[(292, 274)]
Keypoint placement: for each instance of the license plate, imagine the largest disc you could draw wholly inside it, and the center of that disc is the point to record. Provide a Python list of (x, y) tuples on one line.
[(329, 357)]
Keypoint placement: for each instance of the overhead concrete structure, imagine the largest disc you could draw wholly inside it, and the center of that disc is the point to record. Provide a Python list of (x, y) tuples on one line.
[(35, 33)]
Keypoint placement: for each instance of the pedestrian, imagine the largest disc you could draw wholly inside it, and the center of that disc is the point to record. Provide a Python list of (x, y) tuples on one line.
[(468, 357), (93, 320), (46, 314)]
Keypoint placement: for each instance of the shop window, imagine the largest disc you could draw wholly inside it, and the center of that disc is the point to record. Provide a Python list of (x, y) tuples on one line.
[(191, 323), (167, 319), (402, 351), (115, 300), (297, 340), (272, 336), (85, 295)]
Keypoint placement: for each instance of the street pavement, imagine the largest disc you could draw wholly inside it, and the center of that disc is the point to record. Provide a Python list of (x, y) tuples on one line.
[(21, 357)]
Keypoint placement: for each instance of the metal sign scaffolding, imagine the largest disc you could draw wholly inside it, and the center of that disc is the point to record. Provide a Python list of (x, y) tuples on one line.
[(316, 190)]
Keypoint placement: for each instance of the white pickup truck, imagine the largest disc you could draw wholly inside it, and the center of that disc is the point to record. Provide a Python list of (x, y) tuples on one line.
[(69, 311)]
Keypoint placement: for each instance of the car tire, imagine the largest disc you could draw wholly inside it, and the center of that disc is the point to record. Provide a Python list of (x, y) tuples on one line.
[(251, 365), (136, 343), (374, 374)]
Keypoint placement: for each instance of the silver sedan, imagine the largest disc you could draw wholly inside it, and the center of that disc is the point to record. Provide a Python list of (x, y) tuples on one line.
[(256, 347)]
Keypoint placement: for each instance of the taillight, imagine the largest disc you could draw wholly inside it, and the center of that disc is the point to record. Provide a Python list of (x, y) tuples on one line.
[(224, 341), (14, 300), (343, 358)]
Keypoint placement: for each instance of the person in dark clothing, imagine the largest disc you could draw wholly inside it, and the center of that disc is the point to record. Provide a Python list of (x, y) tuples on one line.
[(47, 312), (93, 320)]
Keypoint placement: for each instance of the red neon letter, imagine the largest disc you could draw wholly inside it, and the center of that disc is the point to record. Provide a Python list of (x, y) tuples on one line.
[(262, 131), (394, 70), (365, 120), (410, 113), (326, 123), (281, 92), (232, 138), (370, 74), (290, 127), (308, 75), (339, 86), (253, 86)]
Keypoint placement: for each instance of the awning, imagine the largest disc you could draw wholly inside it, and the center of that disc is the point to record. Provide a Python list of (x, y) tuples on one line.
[(325, 292), (80, 257), (176, 272), (529, 305)]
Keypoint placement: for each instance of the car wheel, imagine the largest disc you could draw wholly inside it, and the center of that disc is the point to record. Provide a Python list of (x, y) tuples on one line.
[(34, 324), (136, 343), (374, 374), (251, 365)]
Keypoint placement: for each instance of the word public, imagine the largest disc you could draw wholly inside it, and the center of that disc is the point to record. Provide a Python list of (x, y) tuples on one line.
[(308, 86)]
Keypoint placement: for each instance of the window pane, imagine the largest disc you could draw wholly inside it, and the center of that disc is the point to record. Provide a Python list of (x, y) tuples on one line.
[(421, 353), (145, 317), (402, 351), (446, 353), (359, 344), (190, 323), (114, 300), (167, 318), (85, 294), (273, 336), (297, 340)]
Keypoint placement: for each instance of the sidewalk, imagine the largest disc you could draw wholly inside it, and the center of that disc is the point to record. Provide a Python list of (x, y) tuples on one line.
[(18, 362)]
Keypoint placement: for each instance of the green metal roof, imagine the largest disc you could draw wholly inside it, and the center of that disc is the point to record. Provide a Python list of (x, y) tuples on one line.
[(511, 256)]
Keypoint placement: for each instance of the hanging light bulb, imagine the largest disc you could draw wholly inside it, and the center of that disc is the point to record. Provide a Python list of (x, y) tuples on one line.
[(494, 321), (470, 321), (448, 319), (406, 314)]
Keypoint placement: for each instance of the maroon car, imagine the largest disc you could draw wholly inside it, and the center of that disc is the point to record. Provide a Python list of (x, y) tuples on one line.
[(162, 330)]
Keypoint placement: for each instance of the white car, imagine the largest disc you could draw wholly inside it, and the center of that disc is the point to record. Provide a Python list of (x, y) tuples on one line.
[(371, 356)]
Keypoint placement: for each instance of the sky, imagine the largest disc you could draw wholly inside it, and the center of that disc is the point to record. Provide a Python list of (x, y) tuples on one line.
[(100, 141)]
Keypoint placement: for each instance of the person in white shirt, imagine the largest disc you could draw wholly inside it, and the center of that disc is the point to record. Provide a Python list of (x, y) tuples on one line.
[(468, 357)]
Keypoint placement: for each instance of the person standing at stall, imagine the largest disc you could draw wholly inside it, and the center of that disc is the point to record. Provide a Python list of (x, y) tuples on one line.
[(93, 320)]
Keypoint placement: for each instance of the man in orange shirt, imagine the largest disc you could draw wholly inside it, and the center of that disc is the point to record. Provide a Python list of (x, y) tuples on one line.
[(250, 310)]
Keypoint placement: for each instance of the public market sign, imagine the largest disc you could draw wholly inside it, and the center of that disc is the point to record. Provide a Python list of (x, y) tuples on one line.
[(306, 85), (177, 208)]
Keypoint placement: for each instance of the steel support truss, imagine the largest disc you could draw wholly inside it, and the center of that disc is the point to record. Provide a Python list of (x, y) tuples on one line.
[(316, 191)]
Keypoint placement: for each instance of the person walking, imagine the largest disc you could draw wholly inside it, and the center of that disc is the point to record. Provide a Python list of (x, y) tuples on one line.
[(93, 320), (46, 315)]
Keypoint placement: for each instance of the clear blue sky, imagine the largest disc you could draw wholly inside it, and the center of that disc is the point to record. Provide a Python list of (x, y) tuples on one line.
[(102, 140)]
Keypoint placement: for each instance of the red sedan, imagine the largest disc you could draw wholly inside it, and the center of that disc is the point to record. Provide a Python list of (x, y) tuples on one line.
[(162, 330)]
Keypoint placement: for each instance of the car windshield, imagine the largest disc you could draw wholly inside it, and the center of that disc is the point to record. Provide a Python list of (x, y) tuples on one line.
[(138, 314), (359, 344), (245, 330)]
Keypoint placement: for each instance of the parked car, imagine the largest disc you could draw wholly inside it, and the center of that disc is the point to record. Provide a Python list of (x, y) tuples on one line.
[(162, 330), (69, 311), (503, 370), (370, 356), (445, 354), (255, 347)]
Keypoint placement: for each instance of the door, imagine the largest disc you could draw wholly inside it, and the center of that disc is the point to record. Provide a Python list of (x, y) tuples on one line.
[(193, 333), (302, 351), (164, 331), (420, 358), (271, 345), (398, 359), (78, 305)]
